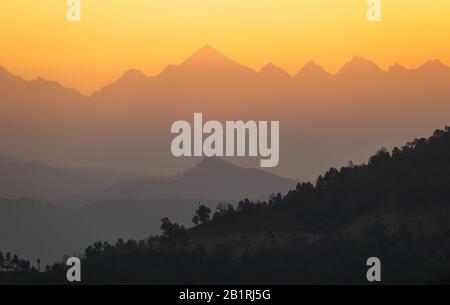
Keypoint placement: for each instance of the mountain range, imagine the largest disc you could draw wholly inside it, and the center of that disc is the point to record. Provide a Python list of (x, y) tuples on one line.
[(212, 179), (37, 180), (132, 208), (395, 208), (326, 119)]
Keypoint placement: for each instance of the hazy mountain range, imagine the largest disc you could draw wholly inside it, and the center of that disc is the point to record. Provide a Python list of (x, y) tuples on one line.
[(36, 229), (325, 119), (37, 180), (395, 207), (132, 208), (211, 179)]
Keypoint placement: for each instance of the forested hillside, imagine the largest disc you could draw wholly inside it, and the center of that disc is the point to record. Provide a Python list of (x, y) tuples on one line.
[(395, 207)]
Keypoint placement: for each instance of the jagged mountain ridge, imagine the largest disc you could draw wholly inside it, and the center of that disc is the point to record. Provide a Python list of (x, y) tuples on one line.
[(125, 125)]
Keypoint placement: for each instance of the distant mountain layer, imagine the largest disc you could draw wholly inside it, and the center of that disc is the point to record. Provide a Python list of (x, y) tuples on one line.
[(35, 229), (32, 179), (325, 119), (130, 209), (394, 208), (211, 179)]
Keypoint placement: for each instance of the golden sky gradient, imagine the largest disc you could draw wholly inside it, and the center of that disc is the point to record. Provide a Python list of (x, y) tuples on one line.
[(116, 35)]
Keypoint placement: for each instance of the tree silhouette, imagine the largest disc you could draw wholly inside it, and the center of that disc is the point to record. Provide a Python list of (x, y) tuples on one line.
[(196, 220), (15, 262), (2, 261), (172, 232), (203, 214), (8, 261)]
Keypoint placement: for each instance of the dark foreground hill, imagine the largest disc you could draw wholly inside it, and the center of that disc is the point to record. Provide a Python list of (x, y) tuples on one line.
[(133, 209), (395, 207), (35, 229)]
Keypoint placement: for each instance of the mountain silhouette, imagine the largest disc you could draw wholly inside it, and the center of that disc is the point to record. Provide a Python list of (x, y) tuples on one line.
[(395, 206), (36, 229), (397, 69), (209, 58), (311, 70), (131, 76), (212, 179), (10, 83), (32, 179), (272, 72), (122, 125), (312, 77), (433, 66), (131, 82), (358, 68), (207, 62), (130, 209)]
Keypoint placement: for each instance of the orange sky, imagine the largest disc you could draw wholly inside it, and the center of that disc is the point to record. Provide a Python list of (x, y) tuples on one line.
[(116, 35)]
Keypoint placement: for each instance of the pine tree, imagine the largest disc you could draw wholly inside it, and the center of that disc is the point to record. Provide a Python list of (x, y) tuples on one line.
[(2, 261)]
